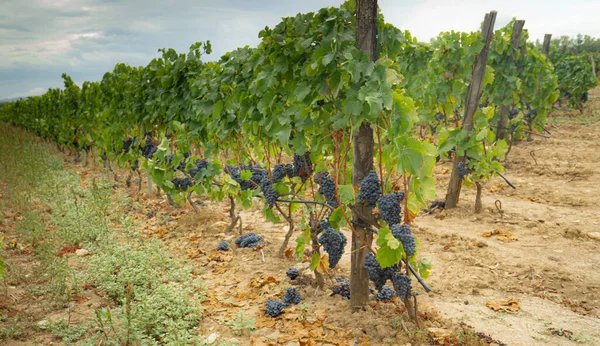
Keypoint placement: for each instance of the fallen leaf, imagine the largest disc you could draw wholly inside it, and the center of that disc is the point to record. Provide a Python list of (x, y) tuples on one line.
[(504, 305), (261, 281), (289, 253), (67, 249), (503, 235), (410, 216), (440, 335)]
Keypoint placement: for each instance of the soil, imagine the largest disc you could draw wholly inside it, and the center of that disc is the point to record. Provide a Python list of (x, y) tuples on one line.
[(549, 262)]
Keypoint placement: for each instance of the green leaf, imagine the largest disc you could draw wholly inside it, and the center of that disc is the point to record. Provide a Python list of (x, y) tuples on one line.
[(246, 175), (346, 193), (424, 266), (302, 240), (327, 59), (336, 219), (315, 261), (302, 90), (390, 250)]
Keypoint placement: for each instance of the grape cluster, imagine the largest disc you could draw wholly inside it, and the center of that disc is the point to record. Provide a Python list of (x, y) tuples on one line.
[(513, 113), (333, 243), (182, 184), (402, 284), (249, 240), (386, 293), (303, 167), (258, 174), (389, 207), (463, 170), (370, 190), (439, 116), (223, 246), (342, 288), (182, 163), (584, 97), (149, 149), (289, 170), (199, 165), (292, 273), (379, 276), (274, 307), (129, 143), (404, 234), (135, 165), (323, 225), (292, 296), (269, 192), (278, 172), (327, 188)]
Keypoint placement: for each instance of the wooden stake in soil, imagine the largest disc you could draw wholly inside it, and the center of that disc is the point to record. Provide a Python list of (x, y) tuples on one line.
[(504, 109), (362, 163), (473, 96), (545, 51)]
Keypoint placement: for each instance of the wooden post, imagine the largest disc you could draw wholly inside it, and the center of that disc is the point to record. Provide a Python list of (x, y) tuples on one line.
[(545, 51), (504, 109), (593, 63), (546, 46), (473, 96), (362, 160)]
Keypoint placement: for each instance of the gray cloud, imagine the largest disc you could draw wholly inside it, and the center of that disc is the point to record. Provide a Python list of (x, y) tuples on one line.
[(40, 39)]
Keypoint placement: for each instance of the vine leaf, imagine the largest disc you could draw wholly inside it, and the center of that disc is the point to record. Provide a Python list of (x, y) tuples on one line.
[(390, 250)]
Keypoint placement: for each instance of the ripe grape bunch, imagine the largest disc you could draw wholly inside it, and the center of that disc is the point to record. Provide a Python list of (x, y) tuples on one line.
[(248, 240), (149, 149), (182, 184), (386, 293), (342, 288), (199, 166), (269, 192), (404, 234), (439, 116), (513, 113), (279, 172), (333, 243), (463, 170), (303, 167), (292, 296), (389, 207), (379, 276), (370, 190), (289, 170), (402, 284), (258, 174), (327, 188), (274, 307), (292, 273), (223, 246), (129, 143), (182, 163)]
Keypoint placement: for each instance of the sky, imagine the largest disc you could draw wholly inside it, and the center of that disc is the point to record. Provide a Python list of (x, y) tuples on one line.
[(41, 39)]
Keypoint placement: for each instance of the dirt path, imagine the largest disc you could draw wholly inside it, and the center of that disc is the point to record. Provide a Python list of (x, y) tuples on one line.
[(553, 267)]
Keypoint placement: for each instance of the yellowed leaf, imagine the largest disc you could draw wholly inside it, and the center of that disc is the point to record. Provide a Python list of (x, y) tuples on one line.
[(504, 305)]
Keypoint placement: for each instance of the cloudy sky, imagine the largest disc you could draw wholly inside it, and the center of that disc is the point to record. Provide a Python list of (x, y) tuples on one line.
[(40, 39)]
